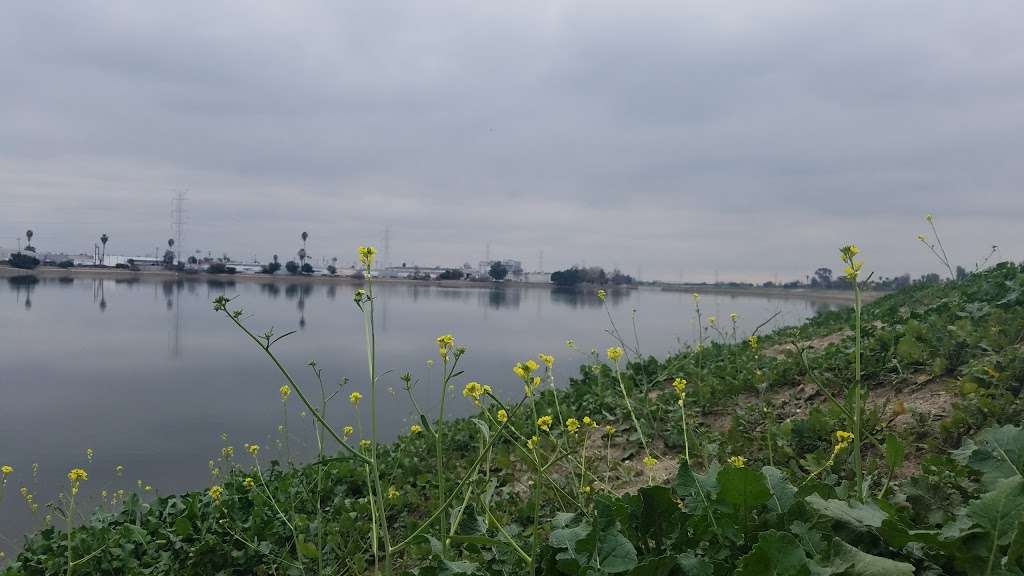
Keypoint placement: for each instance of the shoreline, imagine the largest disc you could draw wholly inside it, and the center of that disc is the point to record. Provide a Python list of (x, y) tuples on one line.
[(162, 275)]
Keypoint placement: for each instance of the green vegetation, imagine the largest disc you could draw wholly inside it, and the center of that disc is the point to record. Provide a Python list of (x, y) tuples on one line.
[(881, 439), (594, 275)]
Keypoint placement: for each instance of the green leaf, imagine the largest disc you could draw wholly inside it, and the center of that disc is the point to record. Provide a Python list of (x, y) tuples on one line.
[(743, 487), (775, 554), (568, 537), (426, 425), (783, 493), (182, 527), (854, 513), (851, 561), (457, 567), (697, 490), (660, 566), (308, 549), (694, 566), (478, 540), (999, 511), (894, 451), (614, 553), (999, 454)]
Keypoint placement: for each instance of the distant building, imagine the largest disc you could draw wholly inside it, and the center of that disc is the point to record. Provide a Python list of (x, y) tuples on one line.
[(537, 277)]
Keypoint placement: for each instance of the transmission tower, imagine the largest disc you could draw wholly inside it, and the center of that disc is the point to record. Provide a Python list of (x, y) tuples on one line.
[(178, 222)]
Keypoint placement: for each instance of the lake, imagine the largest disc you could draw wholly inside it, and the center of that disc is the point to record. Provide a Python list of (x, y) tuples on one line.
[(147, 375)]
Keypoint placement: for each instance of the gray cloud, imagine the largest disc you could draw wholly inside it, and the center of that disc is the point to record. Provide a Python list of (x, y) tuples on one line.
[(748, 138)]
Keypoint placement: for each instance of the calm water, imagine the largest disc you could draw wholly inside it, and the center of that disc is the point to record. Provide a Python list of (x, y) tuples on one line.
[(147, 375)]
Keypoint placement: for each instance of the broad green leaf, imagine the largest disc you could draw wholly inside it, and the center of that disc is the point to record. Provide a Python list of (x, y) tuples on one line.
[(894, 451), (853, 562), (660, 566), (854, 513), (694, 566), (999, 454), (478, 540), (999, 511), (744, 487), (182, 527), (696, 490), (775, 554), (783, 493), (614, 553), (457, 567), (308, 549), (1016, 549), (568, 537)]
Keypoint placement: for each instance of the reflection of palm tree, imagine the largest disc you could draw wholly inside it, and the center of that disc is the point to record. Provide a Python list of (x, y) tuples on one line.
[(103, 255), (302, 253)]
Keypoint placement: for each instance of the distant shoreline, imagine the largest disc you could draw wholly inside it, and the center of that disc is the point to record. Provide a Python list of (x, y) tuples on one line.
[(113, 273)]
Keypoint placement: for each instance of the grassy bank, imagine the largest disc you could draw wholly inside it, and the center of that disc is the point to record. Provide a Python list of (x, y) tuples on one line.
[(881, 440)]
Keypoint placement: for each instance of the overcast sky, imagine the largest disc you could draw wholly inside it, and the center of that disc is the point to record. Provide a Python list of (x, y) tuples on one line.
[(676, 139)]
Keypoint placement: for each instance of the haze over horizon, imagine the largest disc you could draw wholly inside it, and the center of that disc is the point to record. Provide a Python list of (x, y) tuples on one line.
[(750, 139)]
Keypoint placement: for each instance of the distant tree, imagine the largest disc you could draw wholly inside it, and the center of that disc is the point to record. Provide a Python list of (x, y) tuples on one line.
[(220, 268), (961, 273), (307, 268), (66, 264), (498, 271), (332, 269), (168, 258), (302, 255), (822, 277), (271, 267), (29, 247), (23, 261), (292, 267), (621, 279), (569, 277), (451, 274), (930, 278), (103, 255), (193, 260)]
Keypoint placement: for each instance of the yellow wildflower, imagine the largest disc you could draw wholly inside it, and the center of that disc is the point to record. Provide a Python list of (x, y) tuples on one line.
[(285, 392), (502, 416), (589, 422), (347, 431), (119, 470), (6, 469), (544, 423), (572, 425), (475, 390), (215, 492), (649, 461), (364, 444), (712, 320), (733, 317), (696, 297), (586, 489), (680, 385), (531, 365), (738, 461), (445, 343), (547, 359), (253, 449), (249, 483), (532, 442), (922, 238), (843, 439), (227, 451), (753, 342), (89, 454), (415, 429), (614, 353), (570, 344), (77, 475), (929, 217), (354, 398), (609, 430), (601, 295), (393, 493), (366, 254)]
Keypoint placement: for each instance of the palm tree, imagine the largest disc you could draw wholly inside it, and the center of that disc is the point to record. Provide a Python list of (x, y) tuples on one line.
[(302, 253), (30, 248), (103, 254)]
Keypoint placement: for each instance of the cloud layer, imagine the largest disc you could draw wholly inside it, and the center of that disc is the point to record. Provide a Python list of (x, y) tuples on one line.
[(668, 138)]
